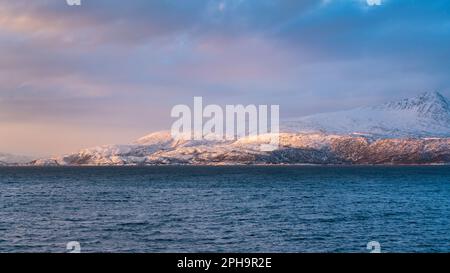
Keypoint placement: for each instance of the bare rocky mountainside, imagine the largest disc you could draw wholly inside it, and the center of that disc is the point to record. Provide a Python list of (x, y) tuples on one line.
[(410, 131)]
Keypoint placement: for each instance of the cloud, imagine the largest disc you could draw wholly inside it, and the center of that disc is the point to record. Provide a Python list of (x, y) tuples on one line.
[(113, 64)]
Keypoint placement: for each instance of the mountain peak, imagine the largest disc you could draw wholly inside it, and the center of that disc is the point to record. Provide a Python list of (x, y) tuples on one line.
[(434, 98), (155, 138), (427, 104), (434, 95), (426, 115)]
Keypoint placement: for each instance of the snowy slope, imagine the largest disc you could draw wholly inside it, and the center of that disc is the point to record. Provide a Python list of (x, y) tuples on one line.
[(295, 148), (411, 131), (9, 159), (427, 115)]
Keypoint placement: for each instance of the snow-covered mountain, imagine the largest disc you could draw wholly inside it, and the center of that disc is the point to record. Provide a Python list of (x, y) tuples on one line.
[(411, 131), (9, 159), (295, 148), (427, 115)]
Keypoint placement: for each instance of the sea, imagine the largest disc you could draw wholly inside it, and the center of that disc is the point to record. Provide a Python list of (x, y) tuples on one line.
[(286, 209)]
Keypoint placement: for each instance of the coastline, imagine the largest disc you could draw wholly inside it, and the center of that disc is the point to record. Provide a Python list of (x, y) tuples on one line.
[(227, 165)]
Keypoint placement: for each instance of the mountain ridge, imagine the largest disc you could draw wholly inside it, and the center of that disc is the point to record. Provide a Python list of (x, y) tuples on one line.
[(426, 104), (419, 133), (10, 159), (294, 149), (409, 131), (426, 115)]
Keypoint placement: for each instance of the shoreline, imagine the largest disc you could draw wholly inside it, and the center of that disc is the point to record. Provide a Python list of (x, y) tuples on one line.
[(228, 165)]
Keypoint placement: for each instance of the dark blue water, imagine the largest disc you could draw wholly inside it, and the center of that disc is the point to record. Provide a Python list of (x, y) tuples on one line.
[(225, 209)]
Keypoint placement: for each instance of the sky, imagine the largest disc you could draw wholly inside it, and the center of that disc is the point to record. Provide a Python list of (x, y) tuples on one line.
[(110, 71)]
